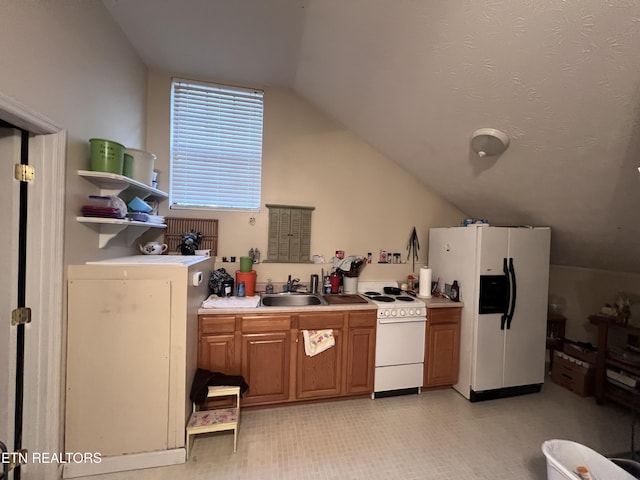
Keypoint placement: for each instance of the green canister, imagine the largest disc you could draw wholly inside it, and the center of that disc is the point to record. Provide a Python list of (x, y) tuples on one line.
[(106, 156), (245, 264)]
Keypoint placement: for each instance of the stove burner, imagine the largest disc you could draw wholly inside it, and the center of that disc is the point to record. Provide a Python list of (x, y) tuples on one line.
[(405, 299), (372, 294), (382, 298)]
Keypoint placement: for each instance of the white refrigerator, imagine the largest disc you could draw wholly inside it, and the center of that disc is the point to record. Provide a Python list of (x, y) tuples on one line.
[(503, 276)]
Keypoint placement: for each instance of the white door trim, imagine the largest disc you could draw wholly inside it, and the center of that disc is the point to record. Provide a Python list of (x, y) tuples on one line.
[(43, 389), (24, 117)]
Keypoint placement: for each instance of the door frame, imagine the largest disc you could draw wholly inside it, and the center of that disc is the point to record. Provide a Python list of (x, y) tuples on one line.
[(43, 393)]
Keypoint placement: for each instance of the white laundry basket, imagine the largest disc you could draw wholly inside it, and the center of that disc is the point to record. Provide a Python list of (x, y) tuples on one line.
[(564, 456)]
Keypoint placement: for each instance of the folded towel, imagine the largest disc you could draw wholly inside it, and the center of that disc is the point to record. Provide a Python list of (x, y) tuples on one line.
[(231, 302), (317, 341), (203, 379)]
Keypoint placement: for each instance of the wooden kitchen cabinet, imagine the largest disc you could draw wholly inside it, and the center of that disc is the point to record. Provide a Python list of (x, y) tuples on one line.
[(266, 358), (268, 351), (442, 347), (320, 375), (217, 345), (361, 352)]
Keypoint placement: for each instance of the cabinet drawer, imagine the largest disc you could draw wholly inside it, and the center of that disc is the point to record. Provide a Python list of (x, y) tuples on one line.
[(217, 324), (443, 315), (265, 323), (362, 319), (320, 321)]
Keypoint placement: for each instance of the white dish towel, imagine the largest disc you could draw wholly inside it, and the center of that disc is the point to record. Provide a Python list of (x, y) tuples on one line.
[(317, 341), (231, 302)]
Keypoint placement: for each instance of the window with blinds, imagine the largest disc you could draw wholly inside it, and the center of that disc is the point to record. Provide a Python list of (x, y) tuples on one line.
[(216, 146)]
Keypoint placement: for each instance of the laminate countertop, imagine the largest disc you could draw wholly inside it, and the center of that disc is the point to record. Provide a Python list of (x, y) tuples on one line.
[(339, 305)]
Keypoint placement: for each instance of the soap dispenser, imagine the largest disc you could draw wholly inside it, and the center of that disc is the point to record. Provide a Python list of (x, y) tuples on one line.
[(269, 287)]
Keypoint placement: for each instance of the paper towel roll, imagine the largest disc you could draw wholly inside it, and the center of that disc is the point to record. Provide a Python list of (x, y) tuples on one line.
[(425, 282)]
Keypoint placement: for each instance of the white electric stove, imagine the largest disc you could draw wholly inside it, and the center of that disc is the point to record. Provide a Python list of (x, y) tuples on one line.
[(400, 336)]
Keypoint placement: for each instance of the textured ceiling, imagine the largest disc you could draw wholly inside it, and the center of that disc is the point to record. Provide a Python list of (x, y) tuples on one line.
[(250, 41), (416, 78)]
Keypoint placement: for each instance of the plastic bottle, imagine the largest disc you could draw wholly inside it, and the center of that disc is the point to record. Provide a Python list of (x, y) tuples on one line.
[(327, 285), (455, 291), (227, 287), (241, 290), (410, 284), (269, 287)]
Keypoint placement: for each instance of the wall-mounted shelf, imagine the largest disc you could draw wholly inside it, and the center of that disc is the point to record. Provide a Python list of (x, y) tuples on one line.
[(126, 188), (109, 228)]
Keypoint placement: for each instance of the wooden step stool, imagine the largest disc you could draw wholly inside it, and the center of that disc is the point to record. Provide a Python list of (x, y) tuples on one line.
[(216, 420)]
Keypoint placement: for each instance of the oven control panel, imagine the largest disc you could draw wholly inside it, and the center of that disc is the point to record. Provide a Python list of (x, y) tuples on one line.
[(402, 312)]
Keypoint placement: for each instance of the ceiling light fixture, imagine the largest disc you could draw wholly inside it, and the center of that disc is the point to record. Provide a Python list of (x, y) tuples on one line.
[(487, 142)]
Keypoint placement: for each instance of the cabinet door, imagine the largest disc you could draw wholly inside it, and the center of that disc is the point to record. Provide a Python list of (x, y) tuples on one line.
[(265, 366), (361, 351), (118, 368), (216, 353), (217, 346), (274, 229), (320, 375), (442, 347), (281, 234), (284, 234), (300, 235)]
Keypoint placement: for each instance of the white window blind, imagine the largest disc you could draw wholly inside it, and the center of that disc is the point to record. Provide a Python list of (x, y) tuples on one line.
[(216, 146)]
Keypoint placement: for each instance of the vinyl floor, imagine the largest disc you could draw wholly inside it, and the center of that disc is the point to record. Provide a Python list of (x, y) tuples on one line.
[(434, 435)]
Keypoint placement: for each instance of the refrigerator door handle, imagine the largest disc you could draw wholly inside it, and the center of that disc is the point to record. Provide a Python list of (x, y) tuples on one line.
[(512, 273), (505, 269)]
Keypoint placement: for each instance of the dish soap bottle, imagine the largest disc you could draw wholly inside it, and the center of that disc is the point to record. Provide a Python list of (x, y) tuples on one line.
[(269, 287)]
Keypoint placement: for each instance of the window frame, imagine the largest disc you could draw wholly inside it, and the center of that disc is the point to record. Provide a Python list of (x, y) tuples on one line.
[(244, 151)]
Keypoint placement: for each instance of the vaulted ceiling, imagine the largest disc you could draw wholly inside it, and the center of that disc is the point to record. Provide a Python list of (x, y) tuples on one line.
[(416, 78)]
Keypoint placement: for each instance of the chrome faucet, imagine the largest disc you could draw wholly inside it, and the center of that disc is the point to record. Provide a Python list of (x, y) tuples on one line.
[(293, 284)]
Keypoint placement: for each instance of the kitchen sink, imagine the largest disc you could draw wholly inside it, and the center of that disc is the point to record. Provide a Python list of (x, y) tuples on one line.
[(291, 299)]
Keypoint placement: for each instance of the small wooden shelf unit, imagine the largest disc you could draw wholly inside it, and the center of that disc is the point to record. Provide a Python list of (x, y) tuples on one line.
[(605, 389)]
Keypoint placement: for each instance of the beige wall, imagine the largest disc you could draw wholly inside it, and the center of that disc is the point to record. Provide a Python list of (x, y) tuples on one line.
[(363, 201), (69, 61), (585, 291)]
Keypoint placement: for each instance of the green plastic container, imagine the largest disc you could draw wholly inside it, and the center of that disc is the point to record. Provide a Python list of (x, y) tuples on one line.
[(245, 264), (127, 170), (106, 156)]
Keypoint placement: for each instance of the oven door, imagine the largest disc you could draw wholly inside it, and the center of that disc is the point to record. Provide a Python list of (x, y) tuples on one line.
[(400, 341)]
